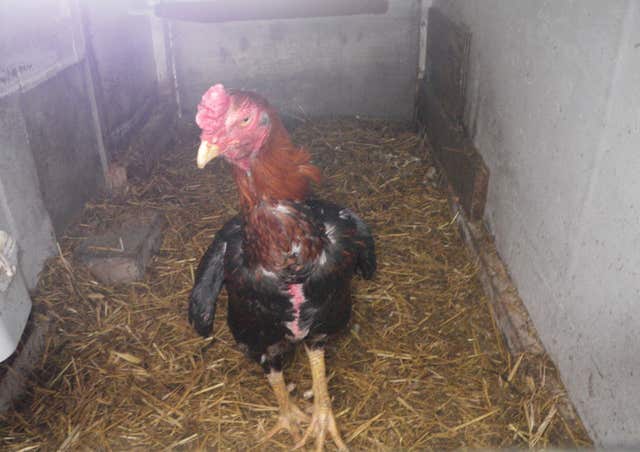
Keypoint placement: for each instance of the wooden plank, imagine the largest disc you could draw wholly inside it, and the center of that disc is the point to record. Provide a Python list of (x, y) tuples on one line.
[(448, 46), (440, 109), (460, 161), (235, 10)]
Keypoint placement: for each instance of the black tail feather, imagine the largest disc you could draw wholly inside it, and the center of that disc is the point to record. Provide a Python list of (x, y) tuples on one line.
[(366, 262)]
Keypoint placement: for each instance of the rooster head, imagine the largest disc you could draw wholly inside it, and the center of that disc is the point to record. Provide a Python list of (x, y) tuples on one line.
[(235, 125)]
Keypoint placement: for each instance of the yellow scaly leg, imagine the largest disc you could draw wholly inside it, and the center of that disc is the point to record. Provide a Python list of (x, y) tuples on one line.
[(322, 419), (290, 416)]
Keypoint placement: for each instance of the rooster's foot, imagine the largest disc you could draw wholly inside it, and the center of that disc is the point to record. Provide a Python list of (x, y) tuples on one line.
[(291, 417), (291, 421), (322, 420)]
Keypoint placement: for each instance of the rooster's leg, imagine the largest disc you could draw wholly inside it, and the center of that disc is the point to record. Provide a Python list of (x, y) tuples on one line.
[(322, 420), (290, 415)]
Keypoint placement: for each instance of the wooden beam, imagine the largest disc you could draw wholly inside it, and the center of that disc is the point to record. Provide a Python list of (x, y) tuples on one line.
[(237, 10), (460, 161), (447, 63), (440, 108)]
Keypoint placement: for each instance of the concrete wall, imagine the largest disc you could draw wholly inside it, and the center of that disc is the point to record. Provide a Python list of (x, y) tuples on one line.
[(554, 108), (70, 79), (124, 65), (22, 211), (38, 42), (364, 64), (64, 146), (37, 39)]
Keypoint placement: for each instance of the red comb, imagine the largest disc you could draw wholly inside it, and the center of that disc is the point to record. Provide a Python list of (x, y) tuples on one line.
[(212, 108)]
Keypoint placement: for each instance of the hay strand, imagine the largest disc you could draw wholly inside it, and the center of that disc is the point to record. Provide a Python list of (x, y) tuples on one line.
[(423, 365)]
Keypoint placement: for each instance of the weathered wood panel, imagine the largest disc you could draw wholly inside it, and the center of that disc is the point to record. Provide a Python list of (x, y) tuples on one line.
[(440, 109), (447, 62), (459, 159)]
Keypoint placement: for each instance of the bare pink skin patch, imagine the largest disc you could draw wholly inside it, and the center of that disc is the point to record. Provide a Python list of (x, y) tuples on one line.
[(296, 293), (212, 109)]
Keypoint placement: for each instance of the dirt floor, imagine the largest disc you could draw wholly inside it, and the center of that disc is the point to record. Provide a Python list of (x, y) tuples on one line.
[(422, 366)]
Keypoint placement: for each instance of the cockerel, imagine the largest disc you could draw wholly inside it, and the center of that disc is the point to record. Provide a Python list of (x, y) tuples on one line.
[(286, 260)]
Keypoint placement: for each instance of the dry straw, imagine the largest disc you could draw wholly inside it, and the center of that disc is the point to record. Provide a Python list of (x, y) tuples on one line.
[(422, 366)]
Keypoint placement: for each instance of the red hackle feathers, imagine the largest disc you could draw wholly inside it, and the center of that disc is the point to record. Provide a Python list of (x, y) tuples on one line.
[(271, 234), (281, 171)]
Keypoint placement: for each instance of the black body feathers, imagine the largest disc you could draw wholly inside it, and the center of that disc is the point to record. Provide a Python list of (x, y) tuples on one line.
[(273, 306)]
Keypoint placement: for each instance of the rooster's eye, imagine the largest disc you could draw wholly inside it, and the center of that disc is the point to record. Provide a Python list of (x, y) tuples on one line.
[(246, 120)]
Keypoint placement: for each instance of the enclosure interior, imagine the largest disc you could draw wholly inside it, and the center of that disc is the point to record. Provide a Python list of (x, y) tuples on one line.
[(552, 104)]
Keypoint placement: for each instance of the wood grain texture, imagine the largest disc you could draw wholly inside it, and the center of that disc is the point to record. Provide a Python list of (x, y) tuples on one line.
[(440, 110), (447, 61), (458, 158)]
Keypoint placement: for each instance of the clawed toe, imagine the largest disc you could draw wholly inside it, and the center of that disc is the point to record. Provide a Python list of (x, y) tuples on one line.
[(290, 422), (322, 422)]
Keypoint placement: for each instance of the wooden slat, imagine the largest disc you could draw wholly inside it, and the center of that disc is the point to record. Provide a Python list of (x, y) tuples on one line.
[(440, 109), (465, 170), (447, 62), (236, 10)]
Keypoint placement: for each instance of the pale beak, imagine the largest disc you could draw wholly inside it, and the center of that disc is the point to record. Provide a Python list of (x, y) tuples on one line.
[(206, 153)]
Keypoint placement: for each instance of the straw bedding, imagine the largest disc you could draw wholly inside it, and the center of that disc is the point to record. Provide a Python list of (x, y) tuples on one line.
[(422, 366)]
